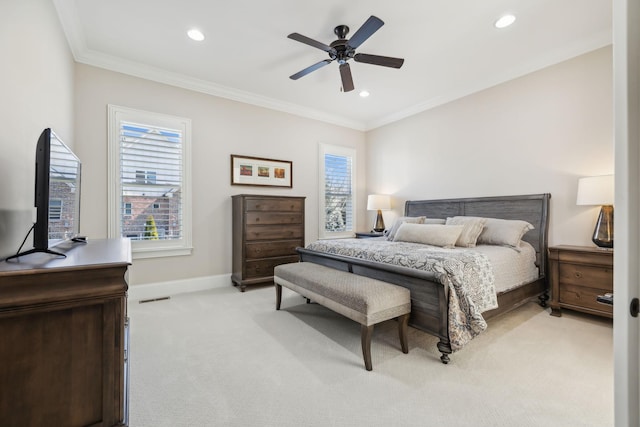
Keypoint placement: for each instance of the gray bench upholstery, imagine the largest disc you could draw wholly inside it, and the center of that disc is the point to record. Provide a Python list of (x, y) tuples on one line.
[(362, 299)]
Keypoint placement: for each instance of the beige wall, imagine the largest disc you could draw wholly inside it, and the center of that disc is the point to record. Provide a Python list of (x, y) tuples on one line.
[(535, 134), (219, 128), (36, 92)]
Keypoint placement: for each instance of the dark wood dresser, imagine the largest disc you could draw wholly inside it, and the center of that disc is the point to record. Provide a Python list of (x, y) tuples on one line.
[(266, 232), (578, 275), (63, 337)]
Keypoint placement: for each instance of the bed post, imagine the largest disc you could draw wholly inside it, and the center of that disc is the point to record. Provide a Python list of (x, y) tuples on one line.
[(445, 348)]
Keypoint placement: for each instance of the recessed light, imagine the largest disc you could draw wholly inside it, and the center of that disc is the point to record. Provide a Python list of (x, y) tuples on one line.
[(364, 93), (504, 21), (195, 34)]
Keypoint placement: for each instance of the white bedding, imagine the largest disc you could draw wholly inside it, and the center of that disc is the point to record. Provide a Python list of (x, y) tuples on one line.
[(511, 268)]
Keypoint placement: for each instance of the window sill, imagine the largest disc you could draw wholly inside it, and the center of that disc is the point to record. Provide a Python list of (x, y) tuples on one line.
[(145, 253)]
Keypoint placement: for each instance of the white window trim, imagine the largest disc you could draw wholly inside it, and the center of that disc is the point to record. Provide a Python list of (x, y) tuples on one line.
[(338, 151), (148, 248)]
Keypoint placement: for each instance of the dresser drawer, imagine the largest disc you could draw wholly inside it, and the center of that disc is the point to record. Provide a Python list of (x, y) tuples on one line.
[(270, 205), (264, 267), (273, 218), (584, 275), (273, 232), (272, 249), (584, 297)]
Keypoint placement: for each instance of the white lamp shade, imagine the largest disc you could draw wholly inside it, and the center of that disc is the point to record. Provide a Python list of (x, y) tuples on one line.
[(596, 190), (378, 202)]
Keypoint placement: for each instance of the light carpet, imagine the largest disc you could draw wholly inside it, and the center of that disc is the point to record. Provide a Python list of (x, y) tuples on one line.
[(226, 358)]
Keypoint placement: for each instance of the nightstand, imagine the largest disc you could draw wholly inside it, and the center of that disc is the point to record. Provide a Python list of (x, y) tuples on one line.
[(578, 275), (368, 235)]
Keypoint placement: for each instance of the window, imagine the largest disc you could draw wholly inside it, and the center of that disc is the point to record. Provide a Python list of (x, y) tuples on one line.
[(145, 177), (55, 209), (149, 181), (337, 191)]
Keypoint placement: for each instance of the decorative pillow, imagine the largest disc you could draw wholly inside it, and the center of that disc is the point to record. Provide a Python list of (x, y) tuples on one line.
[(429, 234), (473, 226), (504, 232), (434, 221), (401, 220)]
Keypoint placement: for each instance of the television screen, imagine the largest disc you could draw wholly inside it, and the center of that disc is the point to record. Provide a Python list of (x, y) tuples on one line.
[(57, 196), (64, 192)]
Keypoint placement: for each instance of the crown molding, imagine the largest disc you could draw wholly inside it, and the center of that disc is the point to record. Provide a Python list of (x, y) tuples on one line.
[(73, 31), (143, 71)]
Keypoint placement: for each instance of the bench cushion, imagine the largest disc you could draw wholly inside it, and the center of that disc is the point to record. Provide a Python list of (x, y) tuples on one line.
[(362, 299)]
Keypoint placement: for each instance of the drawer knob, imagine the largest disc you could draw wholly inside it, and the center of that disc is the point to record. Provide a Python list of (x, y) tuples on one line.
[(578, 274)]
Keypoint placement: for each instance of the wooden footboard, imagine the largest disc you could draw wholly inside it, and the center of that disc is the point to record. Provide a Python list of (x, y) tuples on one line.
[(514, 298)]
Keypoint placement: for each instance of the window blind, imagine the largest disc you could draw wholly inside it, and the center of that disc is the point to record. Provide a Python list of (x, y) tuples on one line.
[(151, 182), (338, 193)]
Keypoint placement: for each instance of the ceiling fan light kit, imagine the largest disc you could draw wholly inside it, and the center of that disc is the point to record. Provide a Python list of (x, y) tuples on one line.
[(343, 49)]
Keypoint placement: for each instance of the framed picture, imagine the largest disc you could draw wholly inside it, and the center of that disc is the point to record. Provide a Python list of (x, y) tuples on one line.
[(247, 170)]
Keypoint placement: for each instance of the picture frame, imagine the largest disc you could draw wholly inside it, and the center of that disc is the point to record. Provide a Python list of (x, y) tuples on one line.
[(247, 170)]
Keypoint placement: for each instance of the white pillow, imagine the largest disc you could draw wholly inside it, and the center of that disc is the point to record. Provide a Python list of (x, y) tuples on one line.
[(473, 226), (401, 220), (434, 221), (504, 232), (429, 234)]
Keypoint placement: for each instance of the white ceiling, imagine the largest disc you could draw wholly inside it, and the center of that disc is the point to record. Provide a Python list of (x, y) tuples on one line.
[(450, 47)]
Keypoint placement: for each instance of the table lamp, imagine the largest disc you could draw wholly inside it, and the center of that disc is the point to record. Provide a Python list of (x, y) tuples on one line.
[(380, 203), (598, 190)]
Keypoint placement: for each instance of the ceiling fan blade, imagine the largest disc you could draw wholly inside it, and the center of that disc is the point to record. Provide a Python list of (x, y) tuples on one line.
[(309, 69), (385, 61), (372, 25), (347, 80), (311, 42)]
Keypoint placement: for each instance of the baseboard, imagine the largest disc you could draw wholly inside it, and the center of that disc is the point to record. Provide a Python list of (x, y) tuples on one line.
[(175, 287)]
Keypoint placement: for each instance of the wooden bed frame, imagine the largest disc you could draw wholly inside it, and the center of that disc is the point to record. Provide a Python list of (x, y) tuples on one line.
[(429, 298)]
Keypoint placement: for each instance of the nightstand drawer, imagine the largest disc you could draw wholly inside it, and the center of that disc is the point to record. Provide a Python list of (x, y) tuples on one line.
[(584, 297), (584, 275)]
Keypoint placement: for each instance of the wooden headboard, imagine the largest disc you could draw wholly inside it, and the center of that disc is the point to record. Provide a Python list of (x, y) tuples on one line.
[(533, 208)]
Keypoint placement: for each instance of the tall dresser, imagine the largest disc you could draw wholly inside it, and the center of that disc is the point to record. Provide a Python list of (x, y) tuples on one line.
[(266, 232)]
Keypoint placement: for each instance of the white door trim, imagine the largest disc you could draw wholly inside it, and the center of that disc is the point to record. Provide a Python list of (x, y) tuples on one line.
[(626, 330)]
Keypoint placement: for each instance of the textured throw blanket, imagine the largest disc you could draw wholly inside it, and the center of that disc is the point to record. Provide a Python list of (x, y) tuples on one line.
[(467, 274)]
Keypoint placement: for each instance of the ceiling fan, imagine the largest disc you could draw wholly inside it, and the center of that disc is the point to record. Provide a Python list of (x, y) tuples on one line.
[(344, 49)]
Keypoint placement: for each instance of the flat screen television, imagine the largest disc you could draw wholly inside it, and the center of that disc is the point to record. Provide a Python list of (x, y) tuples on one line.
[(57, 195)]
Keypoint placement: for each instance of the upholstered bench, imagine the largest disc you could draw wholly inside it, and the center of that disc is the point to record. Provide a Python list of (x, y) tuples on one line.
[(365, 300)]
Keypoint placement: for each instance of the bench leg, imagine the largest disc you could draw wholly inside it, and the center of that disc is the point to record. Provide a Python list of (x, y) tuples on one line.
[(278, 295), (366, 332), (403, 321)]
